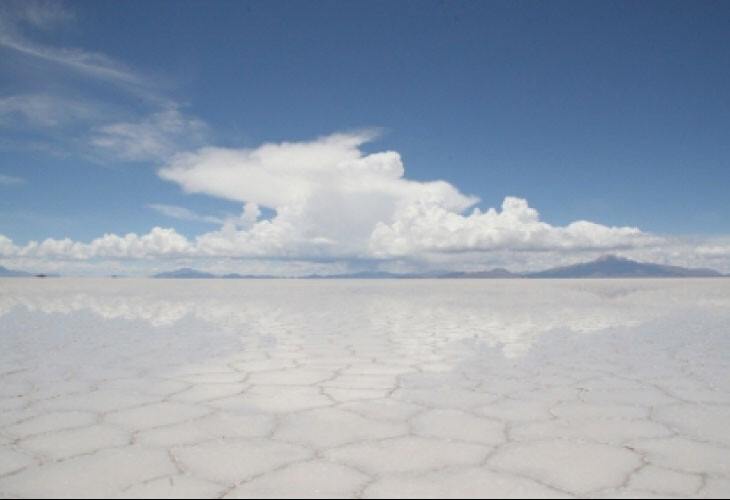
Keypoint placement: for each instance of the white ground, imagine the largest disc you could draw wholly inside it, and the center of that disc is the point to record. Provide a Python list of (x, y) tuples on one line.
[(126, 388)]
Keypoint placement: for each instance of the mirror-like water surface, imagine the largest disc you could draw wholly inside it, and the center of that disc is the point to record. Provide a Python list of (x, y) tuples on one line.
[(364, 388)]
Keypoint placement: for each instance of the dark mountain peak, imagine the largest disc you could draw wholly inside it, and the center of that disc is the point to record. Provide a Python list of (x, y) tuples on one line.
[(612, 266)]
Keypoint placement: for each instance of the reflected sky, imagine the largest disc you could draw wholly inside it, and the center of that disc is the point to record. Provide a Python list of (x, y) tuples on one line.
[(207, 373), (508, 315)]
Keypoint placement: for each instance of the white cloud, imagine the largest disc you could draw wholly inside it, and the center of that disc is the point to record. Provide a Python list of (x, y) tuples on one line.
[(19, 18), (34, 109), (155, 137), (45, 110), (428, 227), (334, 203), (94, 129), (88, 63), (183, 213), (7, 247), (159, 242), (333, 200), (35, 13), (327, 195), (63, 111), (9, 180)]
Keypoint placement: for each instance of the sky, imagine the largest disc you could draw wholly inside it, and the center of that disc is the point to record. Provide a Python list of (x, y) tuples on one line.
[(296, 137)]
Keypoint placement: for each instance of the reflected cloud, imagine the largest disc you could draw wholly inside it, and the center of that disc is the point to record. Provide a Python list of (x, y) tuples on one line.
[(407, 316)]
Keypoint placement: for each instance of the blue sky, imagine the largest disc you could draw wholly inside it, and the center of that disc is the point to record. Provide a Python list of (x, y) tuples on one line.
[(613, 113)]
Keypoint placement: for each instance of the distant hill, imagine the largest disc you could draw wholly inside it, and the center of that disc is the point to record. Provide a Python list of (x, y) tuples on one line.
[(236, 276), (610, 266), (188, 273), (9, 273), (185, 273), (358, 276), (496, 273)]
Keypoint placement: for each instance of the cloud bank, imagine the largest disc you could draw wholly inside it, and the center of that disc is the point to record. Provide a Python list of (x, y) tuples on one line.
[(332, 202)]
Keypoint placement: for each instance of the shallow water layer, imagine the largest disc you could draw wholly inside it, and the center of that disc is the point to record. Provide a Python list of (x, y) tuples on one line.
[(399, 388)]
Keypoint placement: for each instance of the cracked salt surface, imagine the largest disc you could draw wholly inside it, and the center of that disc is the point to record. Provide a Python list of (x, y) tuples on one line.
[(364, 389)]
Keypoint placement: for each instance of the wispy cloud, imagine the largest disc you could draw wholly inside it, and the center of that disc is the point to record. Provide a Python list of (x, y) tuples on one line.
[(155, 137), (9, 180), (183, 213), (89, 63), (35, 13), (79, 112), (137, 123), (45, 110), (19, 18)]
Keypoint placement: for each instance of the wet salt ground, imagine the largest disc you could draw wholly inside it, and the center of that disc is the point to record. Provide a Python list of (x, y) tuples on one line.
[(608, 388)]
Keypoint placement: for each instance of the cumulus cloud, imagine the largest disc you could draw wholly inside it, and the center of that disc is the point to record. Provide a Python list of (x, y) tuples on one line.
[(7, 248), (159, 242), (427, 227), (333, 202)]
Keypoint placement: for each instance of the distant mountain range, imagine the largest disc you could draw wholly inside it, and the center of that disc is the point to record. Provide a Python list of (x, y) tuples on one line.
[(496, 273), (608, 266), (188, 273), (10, 273), (185, 273)]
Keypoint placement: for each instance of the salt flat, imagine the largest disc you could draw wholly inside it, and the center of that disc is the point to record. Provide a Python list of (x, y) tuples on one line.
[(400, 388)]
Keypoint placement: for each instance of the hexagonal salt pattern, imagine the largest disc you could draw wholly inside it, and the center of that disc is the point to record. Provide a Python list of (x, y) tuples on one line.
[(364, 389)]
